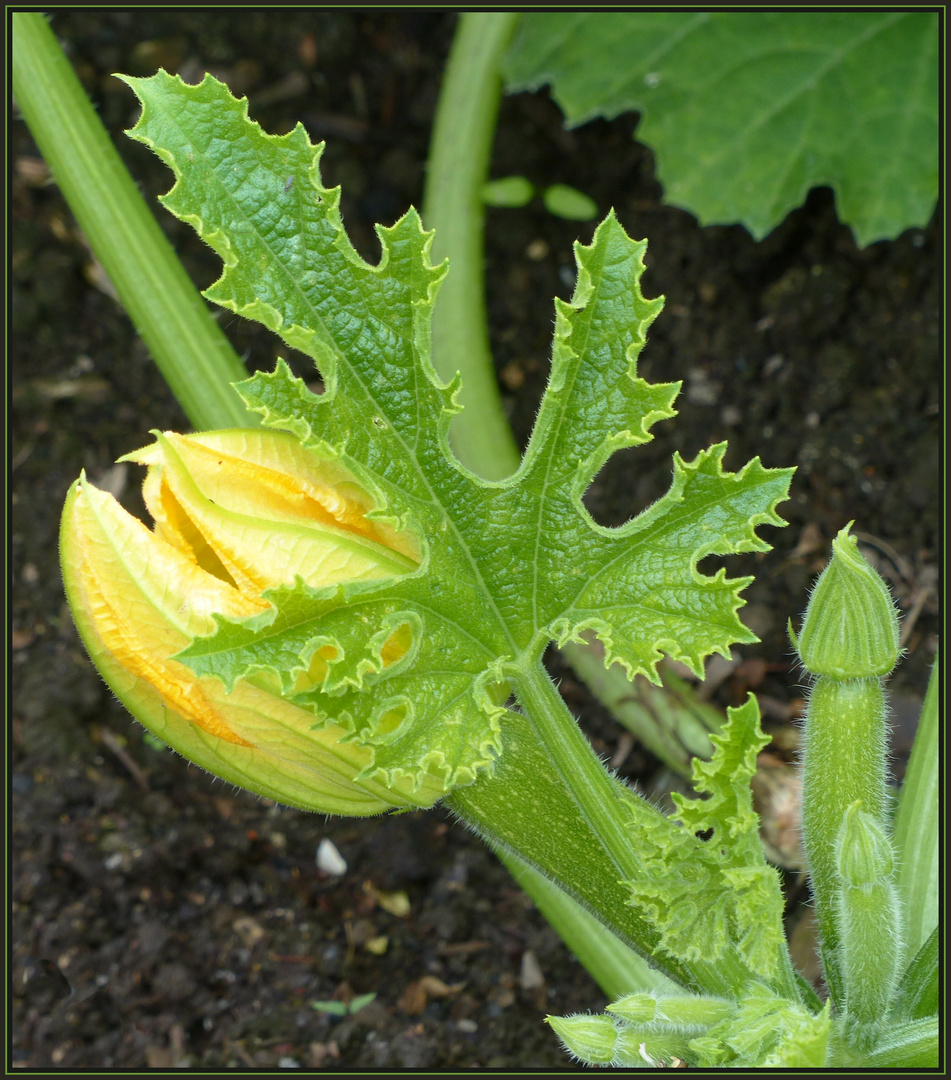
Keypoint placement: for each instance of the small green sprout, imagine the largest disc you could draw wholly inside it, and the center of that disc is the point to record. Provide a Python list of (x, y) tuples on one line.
[(340, 1008), (510, 192), (561, 200)]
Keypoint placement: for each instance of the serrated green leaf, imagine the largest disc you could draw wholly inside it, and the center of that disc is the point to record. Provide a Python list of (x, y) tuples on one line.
[(746, 111), (505, 567), (706, 886)]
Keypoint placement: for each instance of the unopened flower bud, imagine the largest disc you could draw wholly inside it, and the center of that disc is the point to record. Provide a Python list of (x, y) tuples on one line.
[(850, 630), (870, 921), (635, 1008), (863, 853), (589, 1037), (236, 513)]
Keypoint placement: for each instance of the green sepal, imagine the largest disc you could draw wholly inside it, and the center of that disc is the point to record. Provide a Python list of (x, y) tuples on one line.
[(590, 1038), (864, 854)]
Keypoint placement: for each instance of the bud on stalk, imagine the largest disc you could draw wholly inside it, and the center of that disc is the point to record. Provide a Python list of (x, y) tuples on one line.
[(236, 513), (849, 639), (589, 1037), (869, 920)]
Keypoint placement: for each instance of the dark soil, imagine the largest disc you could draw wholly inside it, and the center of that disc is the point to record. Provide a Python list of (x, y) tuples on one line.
[(161, 919)]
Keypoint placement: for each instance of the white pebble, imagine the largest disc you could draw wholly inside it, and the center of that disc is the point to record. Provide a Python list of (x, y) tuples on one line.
[(329, 858)]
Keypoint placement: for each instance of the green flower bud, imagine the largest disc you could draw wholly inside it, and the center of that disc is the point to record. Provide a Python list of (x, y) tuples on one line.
[(589, 1037), (634, 1008), (850, 630), (869, 917), (863, 852)]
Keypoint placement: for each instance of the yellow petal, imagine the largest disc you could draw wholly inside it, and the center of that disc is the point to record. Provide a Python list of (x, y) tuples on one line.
[(271, 474), (272, 545), (177, 528), (141, 600)]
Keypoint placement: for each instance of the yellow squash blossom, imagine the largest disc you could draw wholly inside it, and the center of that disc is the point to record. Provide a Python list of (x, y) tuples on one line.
[(235, 512)]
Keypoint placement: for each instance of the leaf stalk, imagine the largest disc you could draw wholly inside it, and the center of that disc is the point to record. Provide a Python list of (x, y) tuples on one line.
[(458, 167)]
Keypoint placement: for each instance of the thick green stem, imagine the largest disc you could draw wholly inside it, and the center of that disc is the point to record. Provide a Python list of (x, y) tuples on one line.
[(843, 761), (528, 809), (609, 810), (596, 794), (456, 172), (189, 347)]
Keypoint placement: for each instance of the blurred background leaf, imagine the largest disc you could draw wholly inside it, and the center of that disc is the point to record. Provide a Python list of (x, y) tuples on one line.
[(746, 111)]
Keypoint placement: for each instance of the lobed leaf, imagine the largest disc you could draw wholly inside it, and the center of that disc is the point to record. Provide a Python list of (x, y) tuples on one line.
[(705, 884), (505, 567), (746, 111)]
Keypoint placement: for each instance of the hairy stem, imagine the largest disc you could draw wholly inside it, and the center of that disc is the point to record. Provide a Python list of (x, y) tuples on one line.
[(529, 809), (843, 761), (595, 792), (188, 346)]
